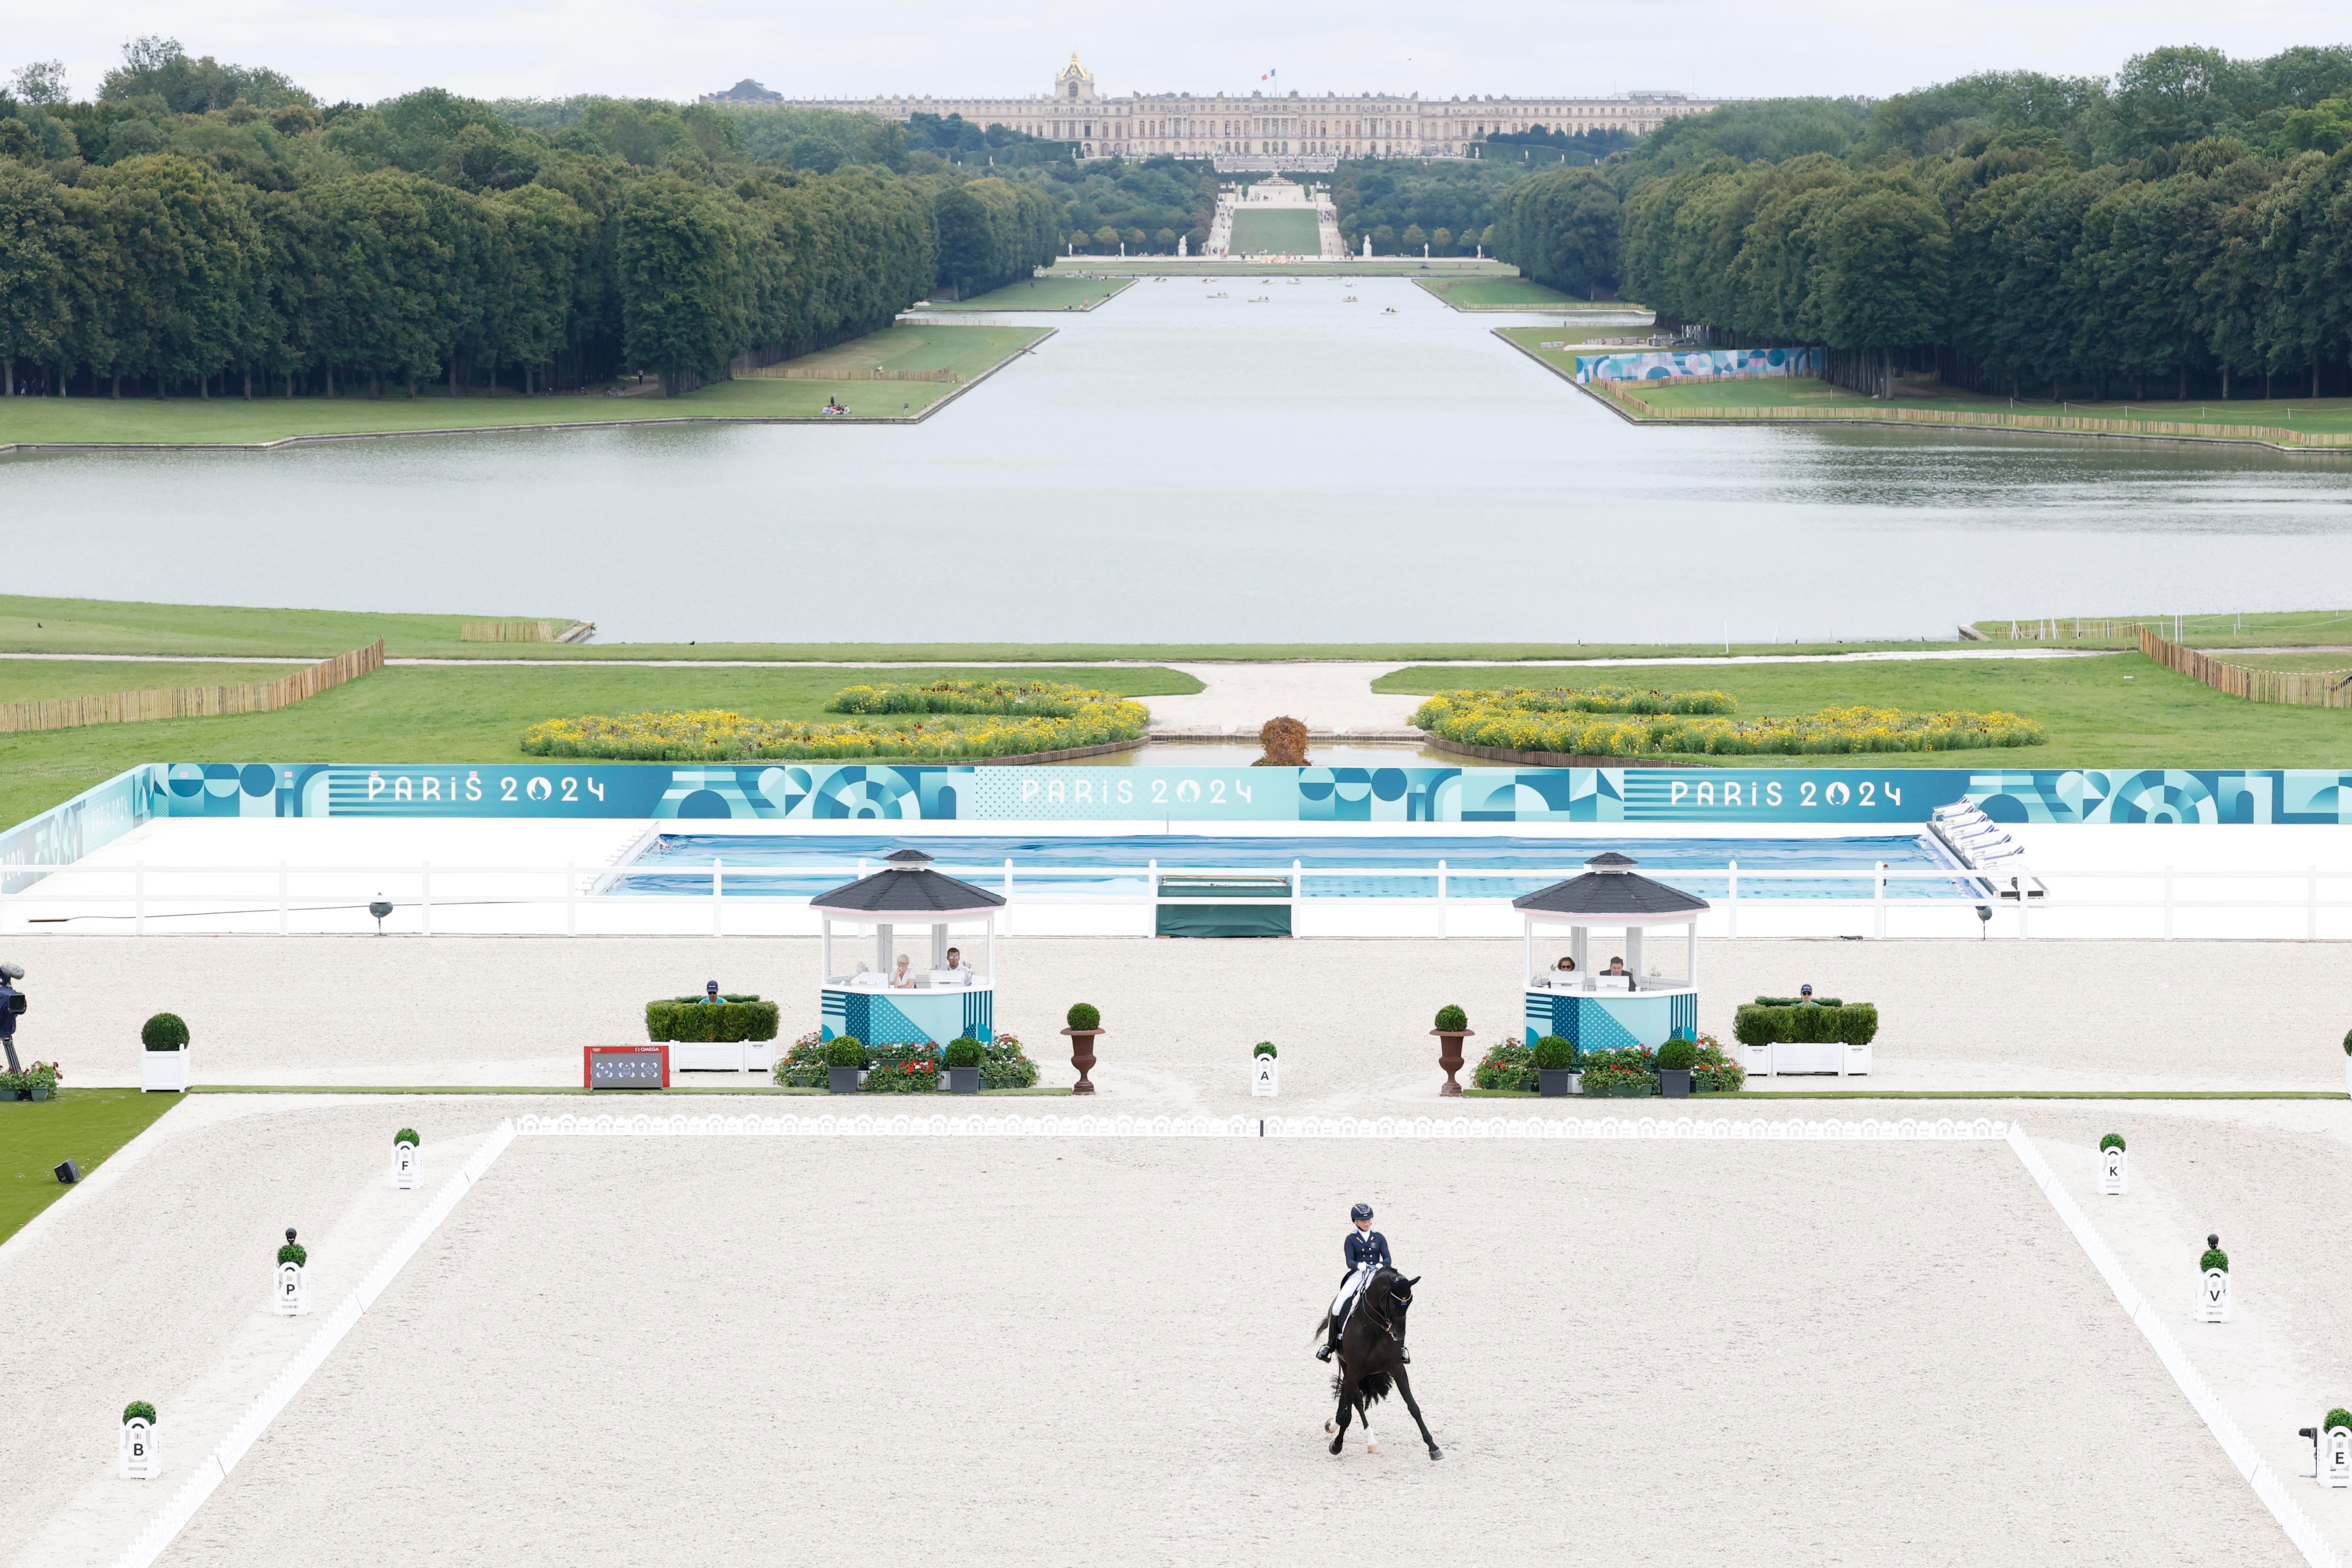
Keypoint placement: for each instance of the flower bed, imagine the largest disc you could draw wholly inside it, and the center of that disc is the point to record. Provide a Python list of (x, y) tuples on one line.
[(1002, 1064), (1509, 1065), (1005, 719), (1607, 721)]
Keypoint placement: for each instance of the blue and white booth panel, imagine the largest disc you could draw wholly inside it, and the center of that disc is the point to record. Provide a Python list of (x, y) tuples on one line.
[(909, 1017), (1602, 1021)]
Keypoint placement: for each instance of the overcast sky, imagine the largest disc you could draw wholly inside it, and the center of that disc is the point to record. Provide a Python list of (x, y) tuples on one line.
[(367, 49)]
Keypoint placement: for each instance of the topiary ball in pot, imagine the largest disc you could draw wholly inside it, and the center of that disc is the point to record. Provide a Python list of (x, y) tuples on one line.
[(294, 1252), (1263, 1048), (1553, 1053), (2336, 1417), (2348, 1041), (1451, 1020), (407, 1135), (1083, 1016), (845, 1051), (962, 1052), (164, 1032), (138, 1410), (2214, 1256), (2112, 1140), (1677, 1055)]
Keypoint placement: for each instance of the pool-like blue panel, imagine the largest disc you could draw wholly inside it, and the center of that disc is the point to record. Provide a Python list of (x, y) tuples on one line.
[(679, 863)]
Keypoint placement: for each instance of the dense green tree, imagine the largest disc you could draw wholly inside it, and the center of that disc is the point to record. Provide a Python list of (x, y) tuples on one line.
[(681, 280)]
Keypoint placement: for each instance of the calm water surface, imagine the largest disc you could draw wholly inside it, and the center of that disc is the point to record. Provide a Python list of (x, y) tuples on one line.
[(1176, 467)]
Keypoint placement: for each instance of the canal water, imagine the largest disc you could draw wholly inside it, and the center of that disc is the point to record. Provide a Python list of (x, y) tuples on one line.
[(1178, 468)]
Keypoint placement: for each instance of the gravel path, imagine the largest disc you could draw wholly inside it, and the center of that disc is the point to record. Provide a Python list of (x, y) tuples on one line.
[(1351, 1016), (632, 1352)]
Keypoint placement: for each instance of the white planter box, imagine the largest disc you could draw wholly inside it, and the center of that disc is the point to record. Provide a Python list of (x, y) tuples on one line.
[(2213, 1297), (134, 1451), (716, 1055), (291, 1296), (2335, 1458), (2115, 1172), (1756, 1059), (1793, 1056), (1265, 1075), (407, 1166), (758, 1056), (1857, 1059), (164, 1071)]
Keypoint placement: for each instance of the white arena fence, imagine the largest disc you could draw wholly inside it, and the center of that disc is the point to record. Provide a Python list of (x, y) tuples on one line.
[(191, 1496), (573, 898)]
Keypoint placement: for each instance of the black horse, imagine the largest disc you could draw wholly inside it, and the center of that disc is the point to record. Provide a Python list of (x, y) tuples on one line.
[(1371, 1359)]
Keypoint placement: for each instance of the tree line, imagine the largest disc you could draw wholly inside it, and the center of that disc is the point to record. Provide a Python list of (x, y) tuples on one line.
[(2184, 229), (206, 229)]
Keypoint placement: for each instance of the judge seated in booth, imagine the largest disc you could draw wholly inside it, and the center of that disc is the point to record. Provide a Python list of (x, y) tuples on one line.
[(1616, 977)]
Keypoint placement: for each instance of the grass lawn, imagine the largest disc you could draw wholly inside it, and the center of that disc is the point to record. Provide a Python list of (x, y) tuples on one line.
[(1046, 293), (438, 714), (1512, 294), (1283, 231), (33, 678), (30, 625), (2216, 633), (198, 421), (84, 1125), (2111, 710)]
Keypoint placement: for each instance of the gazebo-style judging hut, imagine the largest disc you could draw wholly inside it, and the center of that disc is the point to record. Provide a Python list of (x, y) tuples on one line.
[(1590, 1009), (931, 1001)]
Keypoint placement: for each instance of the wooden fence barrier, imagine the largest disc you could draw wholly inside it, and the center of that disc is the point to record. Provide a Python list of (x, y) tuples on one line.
[(192, 702), (507, 629), (2297, 688), (799, 372)]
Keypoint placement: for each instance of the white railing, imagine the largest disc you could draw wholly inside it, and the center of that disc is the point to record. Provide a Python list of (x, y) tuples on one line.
[(141, 894)]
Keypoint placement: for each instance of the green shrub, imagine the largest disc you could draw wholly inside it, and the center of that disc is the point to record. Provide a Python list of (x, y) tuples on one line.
[(845, 1051), (692, 1020), (1677, 1055), (802, 1064), (140, 1410), (1506, 1065), (903, 1070), (1759, 1023), (964, 1051), (1771, 1020), (1813, 1026), (2339, 1416), (164, 1032), (1453, 1020), (2348, 1041), (1612, 722), (1618, 1079), (1083, 1016), (1263, 1048), (2112, 1140), (1003, 1065), (2215, 1258), (294, 1252), (407, 1135), (1554, 1053), (1857, 1022)]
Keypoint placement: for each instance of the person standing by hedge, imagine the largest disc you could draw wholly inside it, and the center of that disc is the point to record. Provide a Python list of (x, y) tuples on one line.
[(710, 993)]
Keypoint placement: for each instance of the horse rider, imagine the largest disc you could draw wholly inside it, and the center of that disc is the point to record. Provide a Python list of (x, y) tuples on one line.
[(1366, 1252)]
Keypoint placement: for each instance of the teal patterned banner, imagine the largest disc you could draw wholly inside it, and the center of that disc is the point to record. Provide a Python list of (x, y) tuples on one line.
[(846, 791)]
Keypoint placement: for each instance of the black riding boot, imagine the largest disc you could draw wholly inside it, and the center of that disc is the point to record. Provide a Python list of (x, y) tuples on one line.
[(1330, 1342)]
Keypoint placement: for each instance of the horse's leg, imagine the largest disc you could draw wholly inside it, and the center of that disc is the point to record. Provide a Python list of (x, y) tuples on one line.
[(1405, 1387), (1364, 1415), (1339, 1426)]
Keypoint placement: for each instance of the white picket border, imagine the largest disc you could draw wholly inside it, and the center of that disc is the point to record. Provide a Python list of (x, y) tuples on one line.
[(215, 1466), (2258, 1473), (907, 1125)]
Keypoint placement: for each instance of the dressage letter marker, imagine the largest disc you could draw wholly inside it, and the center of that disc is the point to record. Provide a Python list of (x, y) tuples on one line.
[(2113, 1172), (2335, 1456), (1266, 1075), (406, 1168), (2213, 1297), (134, 1454)]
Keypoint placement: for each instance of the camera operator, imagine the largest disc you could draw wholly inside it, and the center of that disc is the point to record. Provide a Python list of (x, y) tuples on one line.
[(12, 1006)]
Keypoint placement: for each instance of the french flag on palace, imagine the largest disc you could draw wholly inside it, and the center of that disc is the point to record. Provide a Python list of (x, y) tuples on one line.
[(1268, 76)]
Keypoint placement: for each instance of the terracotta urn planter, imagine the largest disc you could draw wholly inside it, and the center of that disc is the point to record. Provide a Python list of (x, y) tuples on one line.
[(1082, 1057), (1449, 1056)]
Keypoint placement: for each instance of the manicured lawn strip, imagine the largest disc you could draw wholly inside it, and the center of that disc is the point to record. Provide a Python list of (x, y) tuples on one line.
[(1512, 294), (30, 625), (2094, 717), (225, 420), (453, 714), (1047, 293), (23, 678), (1284, 231), (84, 1125)]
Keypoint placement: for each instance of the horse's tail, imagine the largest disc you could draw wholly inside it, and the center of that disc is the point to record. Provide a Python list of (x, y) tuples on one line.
[(1374, 1386)]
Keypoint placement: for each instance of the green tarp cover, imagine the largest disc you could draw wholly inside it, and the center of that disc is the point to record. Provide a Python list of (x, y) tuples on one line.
[(1225, 920)]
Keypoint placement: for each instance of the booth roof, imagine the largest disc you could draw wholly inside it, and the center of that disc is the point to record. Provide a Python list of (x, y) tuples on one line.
[(908, 888), (1610, 889)]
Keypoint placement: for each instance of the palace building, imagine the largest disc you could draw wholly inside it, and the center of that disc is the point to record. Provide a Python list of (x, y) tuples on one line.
[(1267, 130)]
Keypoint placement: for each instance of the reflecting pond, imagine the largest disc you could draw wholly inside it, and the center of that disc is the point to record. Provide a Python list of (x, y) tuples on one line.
[(1174, 466)]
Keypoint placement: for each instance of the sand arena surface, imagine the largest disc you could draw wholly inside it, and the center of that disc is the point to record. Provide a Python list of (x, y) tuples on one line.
[(1351, 1016), (1055, 1352)]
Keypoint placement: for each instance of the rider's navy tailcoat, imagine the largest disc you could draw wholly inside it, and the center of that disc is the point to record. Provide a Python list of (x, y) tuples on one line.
[(1367, 1246)]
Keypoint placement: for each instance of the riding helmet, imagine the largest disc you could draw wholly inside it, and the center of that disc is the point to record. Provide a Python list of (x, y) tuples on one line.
[(1361, 1211)]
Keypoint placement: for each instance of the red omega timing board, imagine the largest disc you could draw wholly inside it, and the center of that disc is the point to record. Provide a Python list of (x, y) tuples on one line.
[(625, 1067)]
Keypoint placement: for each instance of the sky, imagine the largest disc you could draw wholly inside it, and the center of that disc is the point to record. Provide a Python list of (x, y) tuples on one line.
[(369, 49)]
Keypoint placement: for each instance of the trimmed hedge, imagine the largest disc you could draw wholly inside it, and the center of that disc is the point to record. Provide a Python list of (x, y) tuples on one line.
[(691, 1020), (164, 1032), (1763, 1022)]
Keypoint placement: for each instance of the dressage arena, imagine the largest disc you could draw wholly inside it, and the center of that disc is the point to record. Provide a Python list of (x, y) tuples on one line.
[(1030, 1349)]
